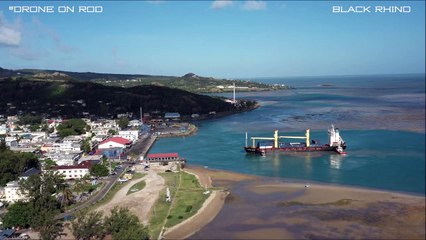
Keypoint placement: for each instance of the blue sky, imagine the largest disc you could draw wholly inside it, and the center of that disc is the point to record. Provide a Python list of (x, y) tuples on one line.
[(227, 39)]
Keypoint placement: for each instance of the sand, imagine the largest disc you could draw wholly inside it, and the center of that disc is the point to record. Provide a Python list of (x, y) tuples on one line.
[(259, 208), (141, 202)]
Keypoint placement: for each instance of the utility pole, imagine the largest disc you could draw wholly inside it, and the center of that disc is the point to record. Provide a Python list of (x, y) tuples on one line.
[(141, 113)]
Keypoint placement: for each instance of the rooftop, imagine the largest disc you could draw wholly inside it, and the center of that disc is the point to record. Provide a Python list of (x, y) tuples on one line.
[(30, 172), (163, 155), (119, 140)]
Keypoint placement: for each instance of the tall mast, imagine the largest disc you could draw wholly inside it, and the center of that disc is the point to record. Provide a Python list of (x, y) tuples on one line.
[(235, 103)]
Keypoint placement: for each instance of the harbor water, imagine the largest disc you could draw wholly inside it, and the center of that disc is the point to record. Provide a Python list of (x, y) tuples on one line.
[(381, 119)]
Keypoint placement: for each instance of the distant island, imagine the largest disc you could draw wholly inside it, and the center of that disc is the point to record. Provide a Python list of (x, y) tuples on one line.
[(189, 82)]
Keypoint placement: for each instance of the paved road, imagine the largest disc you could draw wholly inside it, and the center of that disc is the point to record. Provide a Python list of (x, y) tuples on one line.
[(100, 194)]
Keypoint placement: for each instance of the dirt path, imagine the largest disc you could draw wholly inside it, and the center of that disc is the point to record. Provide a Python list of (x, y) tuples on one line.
[(139, 203)]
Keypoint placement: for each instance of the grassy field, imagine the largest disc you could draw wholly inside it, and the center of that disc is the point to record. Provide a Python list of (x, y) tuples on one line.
[(187, 198), (136, 187)]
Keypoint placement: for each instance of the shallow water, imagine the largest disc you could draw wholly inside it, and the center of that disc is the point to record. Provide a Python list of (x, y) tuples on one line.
[(381, 118)]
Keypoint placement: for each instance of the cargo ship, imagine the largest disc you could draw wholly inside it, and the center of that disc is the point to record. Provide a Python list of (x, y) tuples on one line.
[(262, 145)]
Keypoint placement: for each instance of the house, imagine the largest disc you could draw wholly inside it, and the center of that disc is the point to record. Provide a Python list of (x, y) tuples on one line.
[(73, 171), (95, 158), (172, 116), (115, 142), (13, 193), (131, 135), (135, 123), (3, 129), (28, 173), (72, 139), (99, 138), (61, 158), (7, 233)]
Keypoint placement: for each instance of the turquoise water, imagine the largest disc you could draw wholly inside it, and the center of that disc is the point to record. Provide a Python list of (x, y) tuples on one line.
[(381, 119)]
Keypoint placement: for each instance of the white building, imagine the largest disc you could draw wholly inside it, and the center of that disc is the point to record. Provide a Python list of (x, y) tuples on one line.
[(12, 192), (135, 123), (3, 129), (73, 172), (131, 135)]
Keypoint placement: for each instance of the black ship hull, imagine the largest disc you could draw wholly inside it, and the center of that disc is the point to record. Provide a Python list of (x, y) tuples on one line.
[(262, 151)]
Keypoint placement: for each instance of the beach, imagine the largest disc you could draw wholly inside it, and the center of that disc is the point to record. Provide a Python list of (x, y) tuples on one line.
[(264, 208)]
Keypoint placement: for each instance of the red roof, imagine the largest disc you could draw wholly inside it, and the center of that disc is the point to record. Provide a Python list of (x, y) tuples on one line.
[(119, 140), (163, 155)]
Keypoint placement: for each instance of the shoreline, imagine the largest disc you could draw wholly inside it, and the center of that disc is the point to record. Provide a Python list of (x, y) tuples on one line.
[(315, 194), (282, 180)]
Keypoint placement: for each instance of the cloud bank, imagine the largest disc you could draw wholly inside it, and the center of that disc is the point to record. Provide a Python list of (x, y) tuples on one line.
[(219, 4), (254, 5), (9, 35)]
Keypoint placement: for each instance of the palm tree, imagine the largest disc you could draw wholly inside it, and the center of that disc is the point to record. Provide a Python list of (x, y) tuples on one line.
[(67, 196), (78, 186)]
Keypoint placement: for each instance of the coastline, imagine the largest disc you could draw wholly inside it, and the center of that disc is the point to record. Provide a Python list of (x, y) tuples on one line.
[(294, 192)]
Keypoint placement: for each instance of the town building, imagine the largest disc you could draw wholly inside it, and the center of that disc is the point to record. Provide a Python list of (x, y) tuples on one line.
[(74, 171), (115, 142), (162, 157), (131, 135), (13, 193), (29, 173)]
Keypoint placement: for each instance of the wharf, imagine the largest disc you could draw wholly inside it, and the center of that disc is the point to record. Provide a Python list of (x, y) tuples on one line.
[(142, 147)]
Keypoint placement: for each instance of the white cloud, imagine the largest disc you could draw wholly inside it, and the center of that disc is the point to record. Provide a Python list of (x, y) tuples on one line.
[(9, 34), (53, 35), (254, 5), (219, 4)]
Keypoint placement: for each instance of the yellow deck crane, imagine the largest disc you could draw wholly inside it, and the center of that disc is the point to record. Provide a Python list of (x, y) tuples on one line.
[(277, 137)]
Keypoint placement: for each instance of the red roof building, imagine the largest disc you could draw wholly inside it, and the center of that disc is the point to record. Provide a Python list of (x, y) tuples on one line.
[(162, 157), (114, 142)]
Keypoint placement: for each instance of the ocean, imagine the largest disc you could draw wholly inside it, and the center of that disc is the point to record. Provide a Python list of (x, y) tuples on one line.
[(380, 117)]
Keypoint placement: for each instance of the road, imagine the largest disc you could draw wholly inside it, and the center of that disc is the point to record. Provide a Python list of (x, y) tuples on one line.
[(100, 194)]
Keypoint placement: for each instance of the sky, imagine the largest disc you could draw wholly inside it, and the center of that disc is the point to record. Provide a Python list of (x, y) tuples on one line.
[(225, 39)]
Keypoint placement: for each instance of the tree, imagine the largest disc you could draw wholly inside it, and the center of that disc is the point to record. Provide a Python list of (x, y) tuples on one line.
[(122, 224), (66, 196), (88, 225), (73, 126), (29, 119), (123, 122), (85, 146), (48, 163), (112, 132), (13, 164), (50, 230), (99, 170), (34, 127), (41, 190), (18, 215)]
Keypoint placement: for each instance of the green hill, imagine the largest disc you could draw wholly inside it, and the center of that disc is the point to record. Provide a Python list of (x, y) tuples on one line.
[(189, 82), (70, 98)]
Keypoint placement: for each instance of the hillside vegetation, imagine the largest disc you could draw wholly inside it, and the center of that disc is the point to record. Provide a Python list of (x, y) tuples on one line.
[(189, 82), (77, 98)]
